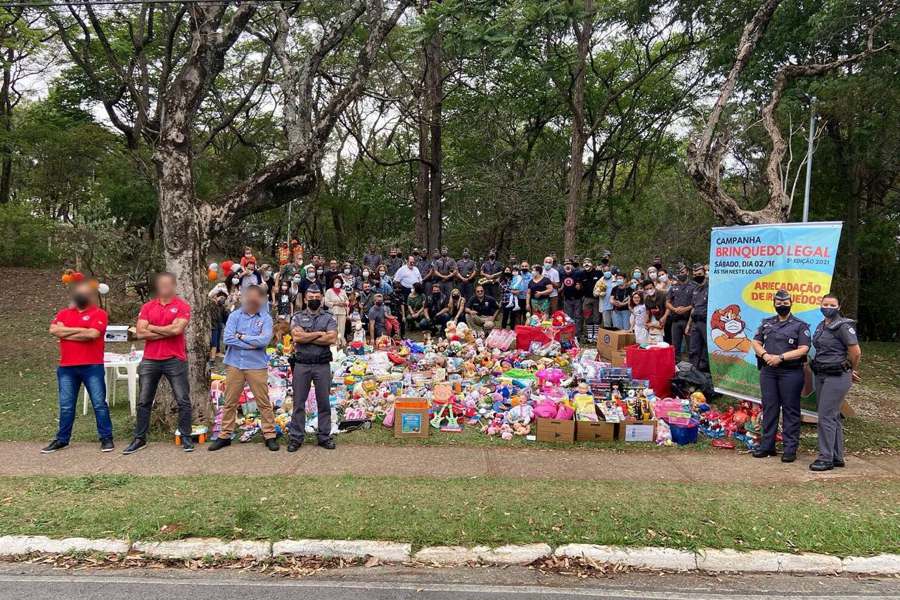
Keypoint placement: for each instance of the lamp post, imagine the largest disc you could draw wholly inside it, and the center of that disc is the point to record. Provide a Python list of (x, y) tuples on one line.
[(809, 158)]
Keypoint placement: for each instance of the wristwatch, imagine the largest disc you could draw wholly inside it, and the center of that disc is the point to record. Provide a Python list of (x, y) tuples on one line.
[(781, 357)]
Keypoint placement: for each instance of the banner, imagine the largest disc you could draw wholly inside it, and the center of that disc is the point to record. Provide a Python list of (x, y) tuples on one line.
[(747, 265)]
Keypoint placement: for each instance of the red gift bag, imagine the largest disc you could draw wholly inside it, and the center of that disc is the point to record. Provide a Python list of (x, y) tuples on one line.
[(657, 365)]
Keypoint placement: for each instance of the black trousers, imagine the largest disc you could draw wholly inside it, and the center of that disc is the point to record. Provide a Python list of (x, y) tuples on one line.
[(305, 375), (781, 394), (698, 354), (150, 372)]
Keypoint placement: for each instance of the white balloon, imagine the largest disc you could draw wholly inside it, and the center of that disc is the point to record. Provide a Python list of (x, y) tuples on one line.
[(103, 289), (213, 266), (235, 267)]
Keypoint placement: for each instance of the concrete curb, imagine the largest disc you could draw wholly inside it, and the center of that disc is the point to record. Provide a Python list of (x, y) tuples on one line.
[(664, 559)]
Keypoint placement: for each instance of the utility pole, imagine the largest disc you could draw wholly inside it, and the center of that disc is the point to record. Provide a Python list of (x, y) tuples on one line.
[(809, 157)]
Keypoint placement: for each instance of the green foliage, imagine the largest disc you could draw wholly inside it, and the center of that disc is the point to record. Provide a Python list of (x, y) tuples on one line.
[(24, 237)]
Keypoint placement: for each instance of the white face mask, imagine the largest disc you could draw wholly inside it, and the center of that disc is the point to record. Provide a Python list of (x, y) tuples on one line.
[(347, 271), (663, 278), (365, 273), (235, 280)]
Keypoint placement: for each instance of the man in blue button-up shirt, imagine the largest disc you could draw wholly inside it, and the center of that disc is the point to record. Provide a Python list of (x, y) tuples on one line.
[(247, 333)]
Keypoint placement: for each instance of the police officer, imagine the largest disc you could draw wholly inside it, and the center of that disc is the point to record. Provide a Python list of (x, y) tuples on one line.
[(781, 344), (834, 368), (314, 330), (679, 301), (445, 271), (466, 272), (490, 273), (696, 327)]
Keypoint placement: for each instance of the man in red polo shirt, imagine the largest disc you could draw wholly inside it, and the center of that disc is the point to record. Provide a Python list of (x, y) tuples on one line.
[(80, 329), (161, 323)]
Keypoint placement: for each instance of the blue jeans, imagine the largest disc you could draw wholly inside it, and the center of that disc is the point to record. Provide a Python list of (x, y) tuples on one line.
[(94, 379)]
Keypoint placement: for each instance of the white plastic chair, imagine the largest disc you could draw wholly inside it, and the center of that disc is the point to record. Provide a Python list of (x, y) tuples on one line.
[(116, 373)]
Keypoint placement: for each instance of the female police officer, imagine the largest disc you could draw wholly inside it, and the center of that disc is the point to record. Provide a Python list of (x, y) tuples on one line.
[(834, 368), (781, 344)]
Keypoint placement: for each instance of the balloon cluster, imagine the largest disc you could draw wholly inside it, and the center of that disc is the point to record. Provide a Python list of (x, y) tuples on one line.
[(226, 268), (71, 276)]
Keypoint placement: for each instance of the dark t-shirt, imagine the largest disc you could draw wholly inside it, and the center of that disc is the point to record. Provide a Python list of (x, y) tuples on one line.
[(539, 286), (588, 281), (486, 306), (621, 293), (656, 306), (571, 286)]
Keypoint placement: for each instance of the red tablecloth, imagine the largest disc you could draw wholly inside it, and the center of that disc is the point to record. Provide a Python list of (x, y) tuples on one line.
[(657, 365), (526, 334)]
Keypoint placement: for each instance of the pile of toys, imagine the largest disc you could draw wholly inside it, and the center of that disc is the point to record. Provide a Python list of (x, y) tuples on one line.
[(488, 384)]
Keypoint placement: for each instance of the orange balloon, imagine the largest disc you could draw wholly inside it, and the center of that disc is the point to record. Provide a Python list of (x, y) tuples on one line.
[(211, 275), (94, 283), (66, 278)]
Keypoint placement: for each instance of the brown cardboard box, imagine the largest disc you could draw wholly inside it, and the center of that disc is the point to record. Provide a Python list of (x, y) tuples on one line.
[(617, 358), (601, 431), (610, 341), (411, 418), (637, 431), (554, 430)]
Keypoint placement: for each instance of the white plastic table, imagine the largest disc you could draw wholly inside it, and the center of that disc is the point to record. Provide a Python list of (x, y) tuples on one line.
[(119, 367)]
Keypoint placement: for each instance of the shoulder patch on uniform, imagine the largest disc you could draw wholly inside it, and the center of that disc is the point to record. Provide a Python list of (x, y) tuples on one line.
[(851, 330), (806, 332)]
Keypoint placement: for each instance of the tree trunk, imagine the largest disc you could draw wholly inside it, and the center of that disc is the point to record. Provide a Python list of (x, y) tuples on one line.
[(421, 193), (185, 236), (6, 163), (434, 92), (579, 137)]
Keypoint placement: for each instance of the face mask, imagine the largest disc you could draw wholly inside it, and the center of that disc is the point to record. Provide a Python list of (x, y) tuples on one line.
[(455, 294), (829, 312), (319, 271), (379, 302), (548, 266), (444, 253), (682, 277), (314, 304), (607, 275), (633, 285), (620, 282), (81, 301), (657, 265), (365, 273), (663, 278), (699, 278), (310, 275), (650, 293), (347, 271), (636, 274), (235, 280), (783, 310)]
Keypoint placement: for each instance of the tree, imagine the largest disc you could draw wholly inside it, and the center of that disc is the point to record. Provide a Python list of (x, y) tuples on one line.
[(153, 67), (706, 151)]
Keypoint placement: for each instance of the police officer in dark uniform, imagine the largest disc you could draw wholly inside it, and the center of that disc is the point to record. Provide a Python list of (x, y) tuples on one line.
[(834, 368), (314, 330), (490, 273), (465, 275), (445, 271), (696, 327), (679, 302), (781, 344)]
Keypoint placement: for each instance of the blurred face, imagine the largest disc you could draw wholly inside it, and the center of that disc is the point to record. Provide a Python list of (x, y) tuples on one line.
[(830, 303), (82, 294), (165, 286), (379, 299), (567, 268), (252, 300)]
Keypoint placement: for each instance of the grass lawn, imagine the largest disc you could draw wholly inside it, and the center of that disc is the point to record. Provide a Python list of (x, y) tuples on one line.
[(834, 518), (28, 401)]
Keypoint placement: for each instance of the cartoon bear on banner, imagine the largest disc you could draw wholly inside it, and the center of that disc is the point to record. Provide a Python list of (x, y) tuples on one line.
[(728, 329)]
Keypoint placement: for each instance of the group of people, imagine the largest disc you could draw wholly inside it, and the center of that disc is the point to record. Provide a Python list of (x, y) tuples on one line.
[(318, 303)]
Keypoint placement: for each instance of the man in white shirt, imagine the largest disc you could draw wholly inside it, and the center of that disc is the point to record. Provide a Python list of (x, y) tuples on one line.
[(553, 275), (408, 275)]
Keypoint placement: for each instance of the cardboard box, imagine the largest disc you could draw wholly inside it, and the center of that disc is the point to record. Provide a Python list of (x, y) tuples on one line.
[(116, 333), (637, 431), (610, 340), (411, 418), (554, 430), (617, 358), (601, 431)]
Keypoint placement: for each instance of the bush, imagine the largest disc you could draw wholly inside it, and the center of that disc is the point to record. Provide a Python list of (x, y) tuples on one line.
[(24, 237)]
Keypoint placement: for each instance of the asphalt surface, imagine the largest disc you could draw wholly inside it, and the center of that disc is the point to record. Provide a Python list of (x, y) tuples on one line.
[(714, 466), (35, 582)]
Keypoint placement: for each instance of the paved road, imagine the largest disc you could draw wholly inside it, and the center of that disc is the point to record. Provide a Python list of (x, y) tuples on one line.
[(714, 466), (28, 582)]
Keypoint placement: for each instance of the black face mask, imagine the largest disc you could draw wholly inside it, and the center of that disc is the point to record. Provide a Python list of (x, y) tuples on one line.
[(682, 276), (379, 302), (81, 301), (783, 310), (699, 278), (314, 304), (658, 265)]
